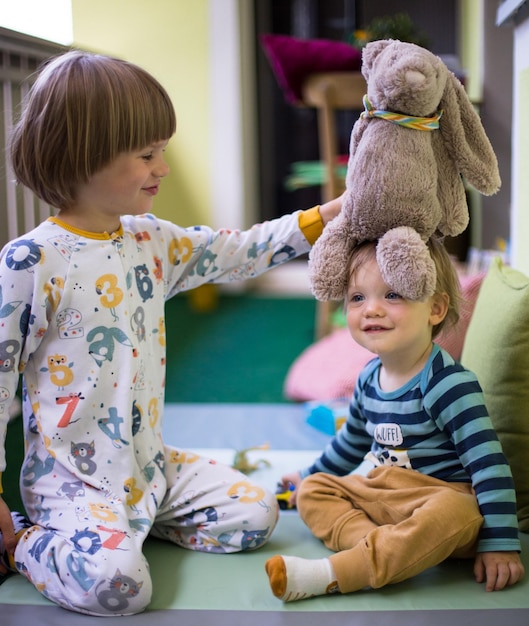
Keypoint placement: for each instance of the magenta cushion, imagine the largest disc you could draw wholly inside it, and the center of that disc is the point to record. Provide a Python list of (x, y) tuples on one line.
[(293, 60), (328, 369)]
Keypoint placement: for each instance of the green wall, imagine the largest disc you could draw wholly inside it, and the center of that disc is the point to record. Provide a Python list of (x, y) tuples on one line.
[(521, 191), (470, 43), (169, 38)]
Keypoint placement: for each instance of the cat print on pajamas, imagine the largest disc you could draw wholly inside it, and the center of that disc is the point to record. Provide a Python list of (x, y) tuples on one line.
[(82, 454), (120, 589)]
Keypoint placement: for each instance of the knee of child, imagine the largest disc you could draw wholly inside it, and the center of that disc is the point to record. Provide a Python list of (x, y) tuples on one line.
[(123, 587), (260, 525), (308, 486), (267, 514), (313, 490)]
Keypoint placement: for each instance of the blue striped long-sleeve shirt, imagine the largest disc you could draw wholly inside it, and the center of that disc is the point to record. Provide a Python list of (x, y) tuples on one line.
[(436, 424)]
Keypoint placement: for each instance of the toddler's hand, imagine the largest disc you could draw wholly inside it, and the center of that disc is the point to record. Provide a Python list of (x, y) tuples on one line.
[(498, 569), (291, 482)]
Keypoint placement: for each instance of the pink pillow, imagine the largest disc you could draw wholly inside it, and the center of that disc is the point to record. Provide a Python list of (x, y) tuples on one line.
[(328, 369), (293, 60), (453, 338)]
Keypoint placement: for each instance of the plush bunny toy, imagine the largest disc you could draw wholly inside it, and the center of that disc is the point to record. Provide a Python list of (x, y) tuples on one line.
[(409, 150)]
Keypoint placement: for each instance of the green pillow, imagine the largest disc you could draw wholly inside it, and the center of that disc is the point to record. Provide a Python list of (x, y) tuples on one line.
[(496, 349)]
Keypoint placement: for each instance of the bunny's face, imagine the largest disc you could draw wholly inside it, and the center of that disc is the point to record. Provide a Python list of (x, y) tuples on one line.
[(403, 78)]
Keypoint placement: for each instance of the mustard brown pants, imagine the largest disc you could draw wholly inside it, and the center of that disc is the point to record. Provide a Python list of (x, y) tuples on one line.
[(389, 525)]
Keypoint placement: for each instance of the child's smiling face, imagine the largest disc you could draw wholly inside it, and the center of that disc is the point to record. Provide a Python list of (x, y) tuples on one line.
[(381, 320), (127, 185)]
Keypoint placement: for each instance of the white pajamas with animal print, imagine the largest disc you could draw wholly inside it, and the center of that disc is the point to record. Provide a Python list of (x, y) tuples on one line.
[(83, 319)]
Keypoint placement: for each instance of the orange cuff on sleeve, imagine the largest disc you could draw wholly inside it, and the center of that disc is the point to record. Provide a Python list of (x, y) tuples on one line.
[(311, 224)]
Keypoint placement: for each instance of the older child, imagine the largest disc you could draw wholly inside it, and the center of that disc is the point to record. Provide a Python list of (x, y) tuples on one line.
[(83, 321), (416, 474)]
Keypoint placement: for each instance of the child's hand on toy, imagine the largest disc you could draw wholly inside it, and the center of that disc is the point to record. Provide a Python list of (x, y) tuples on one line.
[(291, 482)]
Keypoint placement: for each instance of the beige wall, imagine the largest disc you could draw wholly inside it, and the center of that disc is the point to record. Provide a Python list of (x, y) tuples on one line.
[(169, 38)]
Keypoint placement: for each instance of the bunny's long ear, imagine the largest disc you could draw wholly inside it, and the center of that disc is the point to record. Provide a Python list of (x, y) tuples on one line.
[(465, 139), (370, 52)]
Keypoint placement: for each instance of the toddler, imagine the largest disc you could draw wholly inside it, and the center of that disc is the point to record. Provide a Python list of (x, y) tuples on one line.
[(416, 475)]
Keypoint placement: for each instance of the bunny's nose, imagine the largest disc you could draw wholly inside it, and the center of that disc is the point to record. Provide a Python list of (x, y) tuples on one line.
[(414, 77)]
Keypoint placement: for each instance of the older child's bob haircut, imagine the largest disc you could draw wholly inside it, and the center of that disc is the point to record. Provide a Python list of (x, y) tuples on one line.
[(447, 280), (82, 111)]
